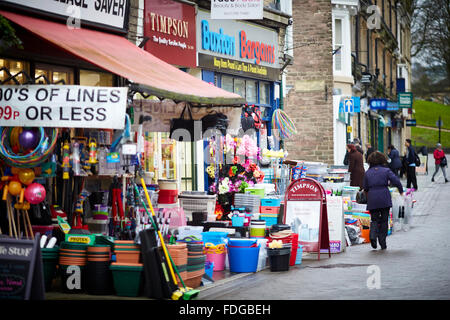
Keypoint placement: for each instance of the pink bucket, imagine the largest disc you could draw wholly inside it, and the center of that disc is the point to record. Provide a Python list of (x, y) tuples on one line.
[(218, 259)]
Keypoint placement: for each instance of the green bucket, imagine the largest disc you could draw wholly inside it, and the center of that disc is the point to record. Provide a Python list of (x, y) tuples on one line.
[(127, 280)]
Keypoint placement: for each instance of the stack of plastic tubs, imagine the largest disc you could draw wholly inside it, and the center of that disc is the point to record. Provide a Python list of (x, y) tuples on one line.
[(195, 264), (269, 210)]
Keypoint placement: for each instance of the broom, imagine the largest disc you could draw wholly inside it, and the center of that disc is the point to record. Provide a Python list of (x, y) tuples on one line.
[(188, 293)]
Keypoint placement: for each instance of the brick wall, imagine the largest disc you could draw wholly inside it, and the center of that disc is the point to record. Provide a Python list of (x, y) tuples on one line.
[(135, 22), (309, 101)]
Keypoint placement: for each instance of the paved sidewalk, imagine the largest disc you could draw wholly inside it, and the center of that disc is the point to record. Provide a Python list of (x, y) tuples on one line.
[(415, 266)]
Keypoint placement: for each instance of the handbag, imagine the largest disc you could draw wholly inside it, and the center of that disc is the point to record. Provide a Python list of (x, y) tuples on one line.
[(185, 129), (215, 120), (443, 162), (361, 197)]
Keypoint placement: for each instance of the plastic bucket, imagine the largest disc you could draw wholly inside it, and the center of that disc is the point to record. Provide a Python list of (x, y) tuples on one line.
[(279, 259), (127, 279), (258, 228), (218, 259), (243, 259), (241, 242)]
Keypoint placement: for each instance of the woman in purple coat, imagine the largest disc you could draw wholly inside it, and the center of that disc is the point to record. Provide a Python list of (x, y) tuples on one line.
[(375, 184)]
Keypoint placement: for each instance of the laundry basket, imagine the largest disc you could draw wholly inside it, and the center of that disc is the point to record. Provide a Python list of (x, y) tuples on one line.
[(197, 202)]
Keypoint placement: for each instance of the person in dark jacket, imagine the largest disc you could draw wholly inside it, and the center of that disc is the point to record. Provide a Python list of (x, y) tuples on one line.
[(376, 182), (396, 162), (355, 166), (369, 149), (410, 160), (358, 148)]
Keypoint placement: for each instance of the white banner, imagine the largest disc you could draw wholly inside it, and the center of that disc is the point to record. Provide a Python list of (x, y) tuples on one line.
[(111, 13), (237, 9), (63, 106)]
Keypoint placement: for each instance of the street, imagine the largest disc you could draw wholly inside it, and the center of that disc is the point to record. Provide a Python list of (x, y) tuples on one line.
[(414, 266)]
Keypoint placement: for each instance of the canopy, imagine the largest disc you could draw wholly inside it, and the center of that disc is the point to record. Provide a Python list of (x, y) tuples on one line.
[(119, 56)]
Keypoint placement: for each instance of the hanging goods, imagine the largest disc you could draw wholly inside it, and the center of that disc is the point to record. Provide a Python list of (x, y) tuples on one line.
[(185, 129), (283, 123), (92, 151), (44, 143)]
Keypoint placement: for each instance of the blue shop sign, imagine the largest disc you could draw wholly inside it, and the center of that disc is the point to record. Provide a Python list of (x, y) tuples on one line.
[(392, 106), (378, 104)]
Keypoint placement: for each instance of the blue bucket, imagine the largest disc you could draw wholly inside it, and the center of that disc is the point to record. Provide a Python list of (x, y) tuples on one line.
[(243, 259), (241, 242)]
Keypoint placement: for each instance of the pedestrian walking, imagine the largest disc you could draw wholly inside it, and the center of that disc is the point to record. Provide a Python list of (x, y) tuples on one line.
[(355, 166), (369, 149), (376, 185), (395, 162), (410, 160), (358, 148), (440, 161)]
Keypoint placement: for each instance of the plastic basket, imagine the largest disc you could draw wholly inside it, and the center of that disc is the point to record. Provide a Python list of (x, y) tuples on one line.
[(197, 203), (256, 191)]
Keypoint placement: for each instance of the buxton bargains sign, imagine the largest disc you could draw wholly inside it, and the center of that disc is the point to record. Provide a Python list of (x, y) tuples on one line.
[(63, 106), (109, 14), (237, 47)]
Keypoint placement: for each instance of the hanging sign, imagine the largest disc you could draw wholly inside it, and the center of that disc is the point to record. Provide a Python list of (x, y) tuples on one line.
[(170, 26), (306, 211), (237, 9), (63, 106), (405, 99), (21, 271)]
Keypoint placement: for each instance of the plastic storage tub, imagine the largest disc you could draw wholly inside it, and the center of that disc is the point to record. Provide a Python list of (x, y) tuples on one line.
[(243, 258), (214, 237), (127, 279)]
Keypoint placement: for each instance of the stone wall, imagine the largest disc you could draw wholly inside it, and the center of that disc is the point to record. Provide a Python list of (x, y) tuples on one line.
[(309, 101)]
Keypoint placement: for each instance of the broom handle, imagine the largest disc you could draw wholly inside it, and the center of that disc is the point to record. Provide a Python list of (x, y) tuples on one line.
[(159, 232)]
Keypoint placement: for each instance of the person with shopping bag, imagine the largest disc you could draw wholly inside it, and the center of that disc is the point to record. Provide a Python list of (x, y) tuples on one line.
[(440, 161), (376, 185)]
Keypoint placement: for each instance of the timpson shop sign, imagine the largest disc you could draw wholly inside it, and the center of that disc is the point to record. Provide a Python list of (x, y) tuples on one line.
[(111, 15), (236, 47), (170, 27)]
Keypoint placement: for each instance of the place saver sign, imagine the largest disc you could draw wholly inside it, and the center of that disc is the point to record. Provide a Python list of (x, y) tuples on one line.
[(63, 106)]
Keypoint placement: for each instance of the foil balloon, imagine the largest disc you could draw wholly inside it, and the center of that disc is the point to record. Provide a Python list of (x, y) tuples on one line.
[(28, 139), (14, 188), (35, 193), (26, 176)]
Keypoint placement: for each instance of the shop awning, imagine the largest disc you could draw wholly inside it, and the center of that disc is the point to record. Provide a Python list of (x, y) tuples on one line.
[(121, 57)]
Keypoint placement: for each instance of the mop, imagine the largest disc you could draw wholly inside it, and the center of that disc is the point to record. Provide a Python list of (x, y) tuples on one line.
[(187, 293)]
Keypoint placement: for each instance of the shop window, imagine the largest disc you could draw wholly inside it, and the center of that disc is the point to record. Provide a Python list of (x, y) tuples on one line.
[(264, 93), (251, 91), (159, 155), (338, 45), (54, 74), (227, 83), (95, 78), (239, 87), (14, 67), (186, 165)]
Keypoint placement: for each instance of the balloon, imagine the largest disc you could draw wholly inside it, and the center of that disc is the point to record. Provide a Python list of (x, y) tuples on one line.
[(28, 139), (14, 188), (26, 176), (35, 193)]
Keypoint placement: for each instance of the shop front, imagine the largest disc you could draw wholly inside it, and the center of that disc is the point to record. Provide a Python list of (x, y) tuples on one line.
[(72, 150)]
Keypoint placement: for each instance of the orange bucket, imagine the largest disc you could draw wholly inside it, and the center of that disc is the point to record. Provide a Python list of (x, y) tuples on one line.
[(365, 234)]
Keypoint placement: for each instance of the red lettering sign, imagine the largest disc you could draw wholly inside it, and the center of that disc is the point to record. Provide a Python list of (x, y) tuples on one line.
[(304, 190), (259, 51)]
